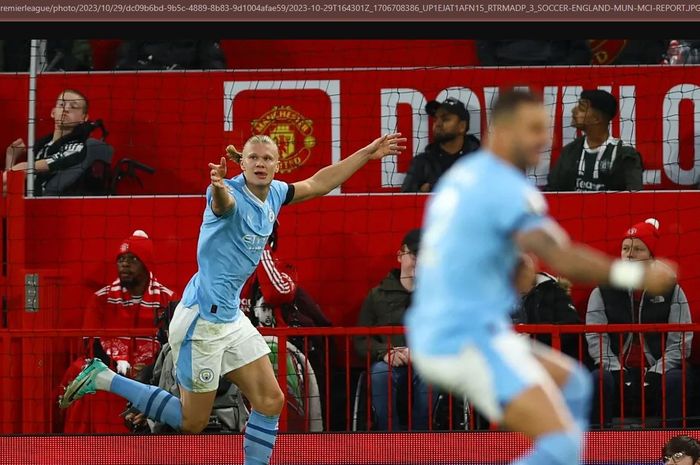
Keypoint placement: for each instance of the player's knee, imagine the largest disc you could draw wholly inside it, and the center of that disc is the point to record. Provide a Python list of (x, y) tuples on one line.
[(271, 403), (194, 425)]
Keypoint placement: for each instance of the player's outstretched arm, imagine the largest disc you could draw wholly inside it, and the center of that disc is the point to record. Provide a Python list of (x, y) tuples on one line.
[(222, 201), (330, 177), (582, 263)]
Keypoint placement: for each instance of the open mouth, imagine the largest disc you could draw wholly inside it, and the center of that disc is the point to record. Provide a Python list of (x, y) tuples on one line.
[(260, 174)]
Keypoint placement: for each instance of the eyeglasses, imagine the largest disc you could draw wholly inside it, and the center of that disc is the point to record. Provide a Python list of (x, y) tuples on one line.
[(673, 458)]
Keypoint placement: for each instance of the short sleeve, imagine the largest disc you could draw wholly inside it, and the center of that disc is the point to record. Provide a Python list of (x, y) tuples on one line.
[(526, 209), (209, 212), (278, 194)]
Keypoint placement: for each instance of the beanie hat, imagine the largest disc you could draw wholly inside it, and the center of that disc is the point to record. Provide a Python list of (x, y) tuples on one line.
[(140, 246), (647, 232)]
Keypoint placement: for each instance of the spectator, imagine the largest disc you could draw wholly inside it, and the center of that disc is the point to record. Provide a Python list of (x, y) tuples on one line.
[(546, 300), (532, 52), (386, 305), (170, 54), (132, 301), (681, 450), (596, 161), (64, 148), (639, 356), (450, 143), (271, 298)]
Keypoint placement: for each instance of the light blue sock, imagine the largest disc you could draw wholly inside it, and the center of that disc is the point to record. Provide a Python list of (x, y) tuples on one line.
[(259, 438), (152, 401), (561, 448), (577, 393)]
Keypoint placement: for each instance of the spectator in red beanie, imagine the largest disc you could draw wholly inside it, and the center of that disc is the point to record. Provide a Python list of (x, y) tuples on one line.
[(133, 300), (640, 356)]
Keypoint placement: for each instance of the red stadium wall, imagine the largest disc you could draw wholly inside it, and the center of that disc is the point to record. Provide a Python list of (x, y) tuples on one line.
[(341, 245), (177, 122)]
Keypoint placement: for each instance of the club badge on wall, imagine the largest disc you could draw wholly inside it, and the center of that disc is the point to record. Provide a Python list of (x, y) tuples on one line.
[(292, 132)]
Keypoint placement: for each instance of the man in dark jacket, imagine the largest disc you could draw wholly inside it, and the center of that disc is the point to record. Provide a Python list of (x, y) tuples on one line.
[(386, 305), (546, 300), (62, 149), (450, 143), (596, 161), (630, 357)]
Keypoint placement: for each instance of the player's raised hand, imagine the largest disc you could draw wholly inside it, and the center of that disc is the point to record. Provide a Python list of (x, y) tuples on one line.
[(218, 173), (660, 277), (389, 144)]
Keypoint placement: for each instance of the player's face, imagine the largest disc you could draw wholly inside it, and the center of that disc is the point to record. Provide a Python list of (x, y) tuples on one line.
[(634, 250), (260, 162), (583, 115), (447, 126), (529, 133), (69, 110)]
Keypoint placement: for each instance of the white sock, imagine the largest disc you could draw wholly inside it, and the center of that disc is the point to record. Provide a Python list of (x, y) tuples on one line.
[(103, 380)]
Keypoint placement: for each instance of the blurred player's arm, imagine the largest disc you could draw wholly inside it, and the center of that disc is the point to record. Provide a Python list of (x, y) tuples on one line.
[(330, 177), (582, 263), (221, 200)]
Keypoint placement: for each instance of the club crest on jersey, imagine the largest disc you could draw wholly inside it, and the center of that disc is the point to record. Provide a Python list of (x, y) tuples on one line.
[(206, 375), (271, 215), (291, 131)]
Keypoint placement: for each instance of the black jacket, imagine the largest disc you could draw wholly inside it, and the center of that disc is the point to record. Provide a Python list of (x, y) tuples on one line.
[(614, 306), (624, 175), (68, 151), (549, 303), (385, 305), (429, 166)]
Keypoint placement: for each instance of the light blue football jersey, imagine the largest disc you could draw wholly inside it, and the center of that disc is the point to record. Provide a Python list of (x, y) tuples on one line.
[(229, 249), (467, 258)]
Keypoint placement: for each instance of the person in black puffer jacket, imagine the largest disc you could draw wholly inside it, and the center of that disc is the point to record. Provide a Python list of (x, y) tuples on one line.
[(546, 300)]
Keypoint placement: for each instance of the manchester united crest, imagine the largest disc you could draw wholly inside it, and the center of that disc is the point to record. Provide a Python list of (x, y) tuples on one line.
[(292, 132)]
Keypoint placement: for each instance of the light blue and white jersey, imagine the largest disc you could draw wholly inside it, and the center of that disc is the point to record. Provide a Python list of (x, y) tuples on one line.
[(467, 259), (230, 247)]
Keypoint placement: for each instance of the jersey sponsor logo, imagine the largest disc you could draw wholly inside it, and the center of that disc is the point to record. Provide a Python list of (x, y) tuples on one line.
[(254, 243), (206, 375), (292, 132)]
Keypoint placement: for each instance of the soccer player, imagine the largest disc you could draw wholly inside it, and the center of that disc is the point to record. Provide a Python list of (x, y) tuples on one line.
[(209, 335), (484, 214)]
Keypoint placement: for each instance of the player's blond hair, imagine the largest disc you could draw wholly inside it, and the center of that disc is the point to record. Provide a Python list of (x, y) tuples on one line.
[(235, 155)]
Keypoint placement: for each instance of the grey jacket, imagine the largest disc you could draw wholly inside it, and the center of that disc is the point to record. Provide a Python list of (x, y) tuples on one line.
[(679, 313)]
